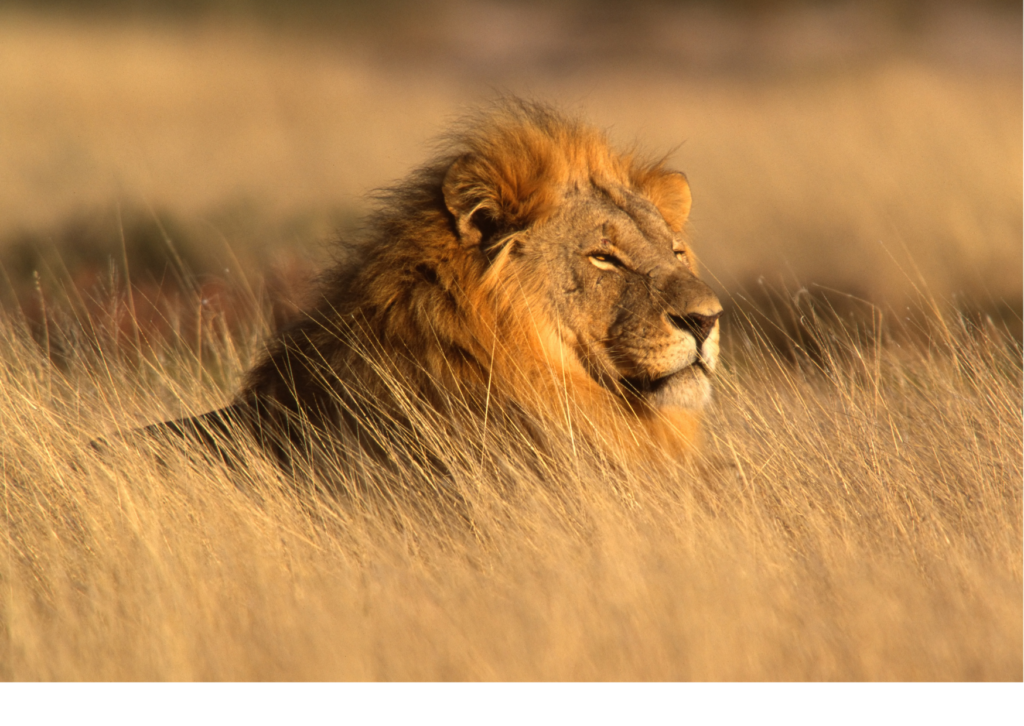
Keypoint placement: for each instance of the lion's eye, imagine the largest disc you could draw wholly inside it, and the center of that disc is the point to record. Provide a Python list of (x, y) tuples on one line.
[(603, 261), (680, 255)]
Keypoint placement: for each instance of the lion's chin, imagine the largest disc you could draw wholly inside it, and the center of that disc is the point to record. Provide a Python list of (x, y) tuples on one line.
[(689, 389)]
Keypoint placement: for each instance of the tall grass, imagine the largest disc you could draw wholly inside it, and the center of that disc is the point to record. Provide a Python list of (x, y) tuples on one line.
[(855, 513)]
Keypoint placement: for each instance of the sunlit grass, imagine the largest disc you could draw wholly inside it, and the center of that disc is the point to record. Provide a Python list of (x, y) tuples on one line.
[(855, 514)]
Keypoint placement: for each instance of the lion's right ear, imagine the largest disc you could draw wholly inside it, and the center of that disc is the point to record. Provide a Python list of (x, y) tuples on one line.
[(670, 192), (467, 198)]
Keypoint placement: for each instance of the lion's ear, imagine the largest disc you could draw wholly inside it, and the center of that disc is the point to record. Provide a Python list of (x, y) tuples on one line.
[(670, 193), (467, 199), (492, 196)]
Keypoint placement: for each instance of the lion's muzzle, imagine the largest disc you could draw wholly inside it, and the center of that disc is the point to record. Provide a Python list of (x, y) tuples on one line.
[(698, 325)]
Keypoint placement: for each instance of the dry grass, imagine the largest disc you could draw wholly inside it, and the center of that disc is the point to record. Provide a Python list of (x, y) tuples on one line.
[(855, 516)]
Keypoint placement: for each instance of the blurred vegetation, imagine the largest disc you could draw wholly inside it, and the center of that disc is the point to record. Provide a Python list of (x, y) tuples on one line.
[(297, 7), (143, 277), (136, 141), (372, 12), (151, 246)]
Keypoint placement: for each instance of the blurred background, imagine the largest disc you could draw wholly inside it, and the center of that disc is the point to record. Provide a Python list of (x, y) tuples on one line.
[(870, 148)]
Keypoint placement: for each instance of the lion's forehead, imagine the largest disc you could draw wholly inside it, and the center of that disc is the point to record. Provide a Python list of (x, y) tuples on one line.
[(645, 217), (627, 220)]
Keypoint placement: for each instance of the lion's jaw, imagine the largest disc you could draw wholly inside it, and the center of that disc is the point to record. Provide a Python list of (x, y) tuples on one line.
[(684, 379)]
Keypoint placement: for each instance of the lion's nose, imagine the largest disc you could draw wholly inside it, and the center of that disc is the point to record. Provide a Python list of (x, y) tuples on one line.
[(698, 325)]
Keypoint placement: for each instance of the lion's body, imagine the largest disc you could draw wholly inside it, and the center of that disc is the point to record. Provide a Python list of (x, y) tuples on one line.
[(530, 271)]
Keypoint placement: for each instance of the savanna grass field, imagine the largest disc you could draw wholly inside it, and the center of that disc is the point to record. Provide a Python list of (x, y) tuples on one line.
[(171, 181)]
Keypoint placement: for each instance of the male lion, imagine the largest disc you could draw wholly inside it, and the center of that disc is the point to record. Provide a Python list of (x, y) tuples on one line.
[(528, 272)]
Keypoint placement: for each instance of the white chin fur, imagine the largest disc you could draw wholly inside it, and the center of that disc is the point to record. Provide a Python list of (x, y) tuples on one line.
[(689, 389)]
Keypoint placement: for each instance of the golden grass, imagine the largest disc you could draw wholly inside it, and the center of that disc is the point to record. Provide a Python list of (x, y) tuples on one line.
[(855, 515)]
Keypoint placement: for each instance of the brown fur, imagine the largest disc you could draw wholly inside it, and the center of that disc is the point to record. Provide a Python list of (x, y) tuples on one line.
[(475, 296)]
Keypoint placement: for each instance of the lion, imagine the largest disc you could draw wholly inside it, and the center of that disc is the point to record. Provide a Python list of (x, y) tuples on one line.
[(529, 271)]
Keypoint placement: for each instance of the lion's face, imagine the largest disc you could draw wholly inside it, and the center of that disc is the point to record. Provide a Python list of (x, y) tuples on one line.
[(623, 289), (595, 239)]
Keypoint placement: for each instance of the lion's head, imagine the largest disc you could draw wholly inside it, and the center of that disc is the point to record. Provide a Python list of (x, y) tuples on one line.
[(530, 264), (595, 240)]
